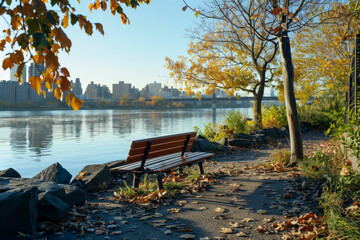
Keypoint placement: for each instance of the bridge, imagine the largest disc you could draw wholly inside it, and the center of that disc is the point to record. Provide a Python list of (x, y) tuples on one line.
[(242, 102)]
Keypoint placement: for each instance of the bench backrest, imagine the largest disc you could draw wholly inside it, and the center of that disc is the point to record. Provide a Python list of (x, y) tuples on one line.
[(160, 146)]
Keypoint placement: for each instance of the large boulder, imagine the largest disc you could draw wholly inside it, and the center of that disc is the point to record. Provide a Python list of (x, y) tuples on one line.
[(55, 173), (52, 208), (18, 208), (75, 195), (275, 133), (94, 177), (201, 144), (10, 172)]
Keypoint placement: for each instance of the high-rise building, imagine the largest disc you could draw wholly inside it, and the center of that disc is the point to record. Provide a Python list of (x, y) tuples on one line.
[(36, 70), (121, 89), (93, 91), (272, 92), (13, 71), (154, 88), (77, 87)]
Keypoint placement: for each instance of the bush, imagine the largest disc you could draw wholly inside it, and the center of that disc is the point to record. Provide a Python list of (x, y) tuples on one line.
[(274, 116), (236, 122), (323, 112)]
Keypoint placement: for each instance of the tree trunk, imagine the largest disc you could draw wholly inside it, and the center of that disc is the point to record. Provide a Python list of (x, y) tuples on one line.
[(290, 101), (257, 110)]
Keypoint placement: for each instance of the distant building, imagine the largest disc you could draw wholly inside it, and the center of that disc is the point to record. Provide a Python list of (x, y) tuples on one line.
[(134, 93), (166, 93), (13, 71), (77, 89), (8, 91), (121, 89), (36, 69), (95, 91), (272, 92), (92, 91), (154, 88)]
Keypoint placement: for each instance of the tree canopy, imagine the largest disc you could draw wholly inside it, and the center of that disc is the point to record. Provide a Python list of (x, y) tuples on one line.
[(36, 32)]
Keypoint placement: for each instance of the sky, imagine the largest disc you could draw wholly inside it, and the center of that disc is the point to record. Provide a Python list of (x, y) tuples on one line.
[(134, 53)]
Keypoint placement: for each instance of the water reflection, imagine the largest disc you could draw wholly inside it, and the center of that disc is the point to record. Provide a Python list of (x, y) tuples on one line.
[(18, 138), (40, 135), (31, 141)]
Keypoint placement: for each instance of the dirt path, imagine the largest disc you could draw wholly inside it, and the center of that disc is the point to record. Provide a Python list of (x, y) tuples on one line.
[(239, 202)]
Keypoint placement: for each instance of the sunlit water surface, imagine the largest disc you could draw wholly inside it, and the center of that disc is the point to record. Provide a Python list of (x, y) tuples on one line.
[(32, 140)]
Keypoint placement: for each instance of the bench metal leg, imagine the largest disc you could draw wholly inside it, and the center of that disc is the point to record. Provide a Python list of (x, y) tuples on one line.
[(136, 180), (201, 168), (181, 170), (160, 183)]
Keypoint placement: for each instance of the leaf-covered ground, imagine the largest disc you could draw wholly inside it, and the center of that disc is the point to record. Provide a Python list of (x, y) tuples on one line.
[(241, 197)]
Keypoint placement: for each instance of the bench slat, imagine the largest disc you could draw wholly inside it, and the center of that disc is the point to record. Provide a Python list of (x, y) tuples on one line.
[(159, 140), (155, 154), (136, 165), (158, 147), (180, 161)]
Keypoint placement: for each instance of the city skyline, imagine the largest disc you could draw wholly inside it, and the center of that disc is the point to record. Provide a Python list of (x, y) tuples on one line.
[(134, 53)]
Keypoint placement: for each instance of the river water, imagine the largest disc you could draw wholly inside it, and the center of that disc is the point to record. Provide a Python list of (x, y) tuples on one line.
[(32, 140)]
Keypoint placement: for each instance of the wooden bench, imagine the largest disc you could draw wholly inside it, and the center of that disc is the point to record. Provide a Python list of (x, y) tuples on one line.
[(162, 155)]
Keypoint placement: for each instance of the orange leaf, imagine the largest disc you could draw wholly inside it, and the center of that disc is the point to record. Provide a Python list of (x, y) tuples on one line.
[(57, 93), (68, 99), (76, 103), (35, 83), (7, 63), (65, 21), (99, 27), (65, 72), (276, 11)]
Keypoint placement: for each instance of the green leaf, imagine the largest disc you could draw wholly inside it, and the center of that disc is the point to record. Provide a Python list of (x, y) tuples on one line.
[(52, 17), (73, 19), (33, 25), (53, 2), (22, 41), (119, 9), (39, 41)]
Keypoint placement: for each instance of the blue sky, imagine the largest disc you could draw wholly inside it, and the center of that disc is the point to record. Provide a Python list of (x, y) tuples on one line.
[(135, 53)]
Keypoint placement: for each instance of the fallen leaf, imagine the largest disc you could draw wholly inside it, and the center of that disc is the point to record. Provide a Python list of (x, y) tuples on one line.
[(226, 230), (219, 210)]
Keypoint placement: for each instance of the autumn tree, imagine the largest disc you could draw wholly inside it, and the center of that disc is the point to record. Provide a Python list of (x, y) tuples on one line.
[(323, 57), (37, 33), (225, 55), (277, 18)]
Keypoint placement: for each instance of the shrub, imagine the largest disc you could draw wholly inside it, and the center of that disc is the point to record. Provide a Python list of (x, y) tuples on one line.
[(274, 116), (236, 121)]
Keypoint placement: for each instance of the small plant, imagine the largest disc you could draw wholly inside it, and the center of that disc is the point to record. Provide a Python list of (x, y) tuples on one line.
[(274, 116), (281, 156), (236, 121), (317, 166)]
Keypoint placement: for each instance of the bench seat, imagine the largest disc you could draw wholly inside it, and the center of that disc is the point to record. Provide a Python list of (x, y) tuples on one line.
[(161, 155), (166, 163)]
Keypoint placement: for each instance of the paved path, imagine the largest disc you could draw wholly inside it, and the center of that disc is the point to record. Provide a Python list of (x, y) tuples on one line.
[(241, 201)]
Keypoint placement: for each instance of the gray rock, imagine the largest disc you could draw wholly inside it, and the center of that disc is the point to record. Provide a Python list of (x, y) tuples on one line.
[(18, 209), (201, 144), (55, 173), (75, 195), (96, 176), (114, 164), (243, 136), (10, 172), (275, 133), (24, 183), (223, 141), (52, 208)]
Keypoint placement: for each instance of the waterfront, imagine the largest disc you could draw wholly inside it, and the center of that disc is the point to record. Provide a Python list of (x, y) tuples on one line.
[(32, 140)]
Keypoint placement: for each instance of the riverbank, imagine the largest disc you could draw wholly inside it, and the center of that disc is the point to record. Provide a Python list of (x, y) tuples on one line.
[(238, 200)]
